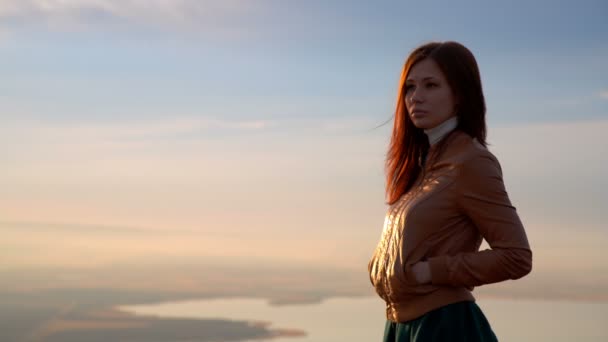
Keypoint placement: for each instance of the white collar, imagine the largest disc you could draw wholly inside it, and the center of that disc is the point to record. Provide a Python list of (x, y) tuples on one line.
[(436, 133)]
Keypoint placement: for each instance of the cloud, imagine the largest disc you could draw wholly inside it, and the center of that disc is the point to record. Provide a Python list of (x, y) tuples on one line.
[(603, 94), (80, 14), (71, 228), (358, 124), (129, 130)]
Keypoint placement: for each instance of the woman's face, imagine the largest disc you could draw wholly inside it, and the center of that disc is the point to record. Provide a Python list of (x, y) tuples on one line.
[(429, 100)]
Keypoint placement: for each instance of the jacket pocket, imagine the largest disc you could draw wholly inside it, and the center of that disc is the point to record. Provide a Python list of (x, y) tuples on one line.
[(418, 254), (409, 283), (408, 274)]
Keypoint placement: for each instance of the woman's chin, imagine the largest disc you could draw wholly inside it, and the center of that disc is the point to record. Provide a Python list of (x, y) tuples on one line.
[(421, 123)]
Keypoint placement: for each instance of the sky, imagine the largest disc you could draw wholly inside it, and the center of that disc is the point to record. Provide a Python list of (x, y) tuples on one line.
[(151, 130)]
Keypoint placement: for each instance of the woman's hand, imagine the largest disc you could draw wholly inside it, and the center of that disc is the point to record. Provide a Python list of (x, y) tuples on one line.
[(422, 272)]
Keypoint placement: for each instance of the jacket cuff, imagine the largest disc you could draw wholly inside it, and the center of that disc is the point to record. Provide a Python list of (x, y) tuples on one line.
[(439, 270)]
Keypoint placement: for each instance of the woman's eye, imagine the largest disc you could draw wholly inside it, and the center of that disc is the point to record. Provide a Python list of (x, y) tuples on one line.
[(409, 87), (431, 85)]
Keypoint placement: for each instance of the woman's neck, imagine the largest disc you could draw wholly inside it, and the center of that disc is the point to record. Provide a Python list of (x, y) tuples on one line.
[(436, 133)]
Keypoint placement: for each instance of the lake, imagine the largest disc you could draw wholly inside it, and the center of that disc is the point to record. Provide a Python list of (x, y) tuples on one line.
[(362, 319)]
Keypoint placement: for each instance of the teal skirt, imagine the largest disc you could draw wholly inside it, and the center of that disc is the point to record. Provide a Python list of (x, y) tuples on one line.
[(462, 321)]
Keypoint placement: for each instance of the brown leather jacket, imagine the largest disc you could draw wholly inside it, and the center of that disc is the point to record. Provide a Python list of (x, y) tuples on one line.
[(442, 220)]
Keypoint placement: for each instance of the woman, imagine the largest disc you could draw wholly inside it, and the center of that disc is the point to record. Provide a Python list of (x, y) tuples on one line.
[(446, 194)]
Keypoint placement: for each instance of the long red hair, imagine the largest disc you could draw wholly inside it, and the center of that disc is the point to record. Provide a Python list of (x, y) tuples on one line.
[(408, 144)]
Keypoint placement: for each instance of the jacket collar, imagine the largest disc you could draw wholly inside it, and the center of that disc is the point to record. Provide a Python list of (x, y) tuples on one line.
[(436, 133)]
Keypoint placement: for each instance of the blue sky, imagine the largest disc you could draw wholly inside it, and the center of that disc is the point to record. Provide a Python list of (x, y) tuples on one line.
[(101, 60), (254, 119)]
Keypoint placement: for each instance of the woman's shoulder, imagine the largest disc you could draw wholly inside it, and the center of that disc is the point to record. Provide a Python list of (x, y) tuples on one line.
[(464, 148), (472, 158), (466, 152)]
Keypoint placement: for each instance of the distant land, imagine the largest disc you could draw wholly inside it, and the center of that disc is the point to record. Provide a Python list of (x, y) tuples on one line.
[(70, 304), (71, 323)]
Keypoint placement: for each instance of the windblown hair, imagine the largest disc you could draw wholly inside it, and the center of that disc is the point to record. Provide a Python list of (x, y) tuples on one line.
[(408, 144)]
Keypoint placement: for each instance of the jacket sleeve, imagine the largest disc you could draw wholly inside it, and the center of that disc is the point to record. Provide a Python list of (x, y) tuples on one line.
[(481, 196)]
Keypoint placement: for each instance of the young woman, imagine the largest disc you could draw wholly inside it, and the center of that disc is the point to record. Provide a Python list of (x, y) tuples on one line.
[(446, 194)]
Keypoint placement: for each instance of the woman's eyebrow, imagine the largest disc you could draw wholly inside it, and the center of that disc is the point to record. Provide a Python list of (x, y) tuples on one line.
[(409, 80)]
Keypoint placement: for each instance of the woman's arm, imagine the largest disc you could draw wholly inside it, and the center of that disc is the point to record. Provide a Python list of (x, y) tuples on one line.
[(482, 197)]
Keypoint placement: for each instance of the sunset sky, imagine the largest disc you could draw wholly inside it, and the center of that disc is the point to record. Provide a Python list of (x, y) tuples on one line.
[(180, 130)]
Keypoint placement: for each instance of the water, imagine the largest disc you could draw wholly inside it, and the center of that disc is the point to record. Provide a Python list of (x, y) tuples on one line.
[(362, 319)]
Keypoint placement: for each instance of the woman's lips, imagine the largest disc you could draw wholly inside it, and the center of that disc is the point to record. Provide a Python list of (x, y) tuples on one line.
[(419, 113)]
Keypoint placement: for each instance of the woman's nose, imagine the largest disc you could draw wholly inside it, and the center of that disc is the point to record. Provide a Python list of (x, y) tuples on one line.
[(416, 96)]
